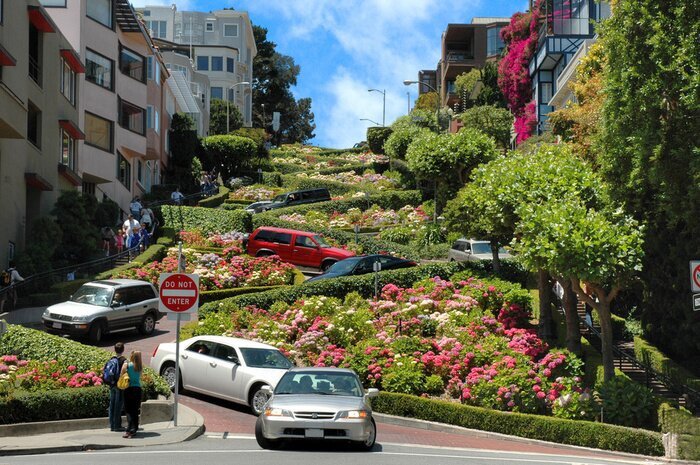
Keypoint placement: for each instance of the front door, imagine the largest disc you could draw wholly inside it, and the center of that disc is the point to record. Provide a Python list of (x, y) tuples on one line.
[(306, 251), (283, 246), (194, 361)]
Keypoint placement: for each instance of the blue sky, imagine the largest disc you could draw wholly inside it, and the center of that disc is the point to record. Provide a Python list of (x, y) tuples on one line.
[(345, 47)]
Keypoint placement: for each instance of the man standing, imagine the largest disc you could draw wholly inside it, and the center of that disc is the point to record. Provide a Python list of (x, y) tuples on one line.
[(136, 207), (116, 396), (131, 228), (10, 277), (177, 196)]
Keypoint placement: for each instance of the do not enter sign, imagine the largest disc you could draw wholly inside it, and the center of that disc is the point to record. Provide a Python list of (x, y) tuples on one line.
[(179, 292)]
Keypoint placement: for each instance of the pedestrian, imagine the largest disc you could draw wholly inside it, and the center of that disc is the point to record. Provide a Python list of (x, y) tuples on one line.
[(144, 239), (119, 240), (107, 238), (132, 394), (8, 279), (136, 207), (177, 196), (110, 375), (131, 228), (147, 217)]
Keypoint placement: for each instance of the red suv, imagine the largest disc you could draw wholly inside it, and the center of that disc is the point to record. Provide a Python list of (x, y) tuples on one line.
[(296, 247)]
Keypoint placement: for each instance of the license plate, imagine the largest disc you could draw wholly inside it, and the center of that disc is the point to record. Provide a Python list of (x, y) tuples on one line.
[(57, 325), (314, 433)]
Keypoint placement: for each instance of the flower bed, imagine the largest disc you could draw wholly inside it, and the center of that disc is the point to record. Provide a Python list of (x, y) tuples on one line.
[(34, 376), (253, 193), (375, 217), (195, 238), (377, 181), (458, 340)]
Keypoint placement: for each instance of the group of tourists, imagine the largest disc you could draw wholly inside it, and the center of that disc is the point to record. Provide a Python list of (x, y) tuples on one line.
[(135, 233), (8, 279), (124, 380), (208, 183)]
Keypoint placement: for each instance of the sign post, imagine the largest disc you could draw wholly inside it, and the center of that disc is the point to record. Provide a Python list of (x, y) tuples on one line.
[(377, 267), (356, 228), (179, 295)]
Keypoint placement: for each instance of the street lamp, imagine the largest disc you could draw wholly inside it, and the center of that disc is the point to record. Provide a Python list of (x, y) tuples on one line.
[(371, 121), (228, 100), (383, 92)]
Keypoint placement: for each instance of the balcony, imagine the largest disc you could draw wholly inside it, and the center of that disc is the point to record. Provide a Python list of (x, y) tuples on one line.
[(457, 56)]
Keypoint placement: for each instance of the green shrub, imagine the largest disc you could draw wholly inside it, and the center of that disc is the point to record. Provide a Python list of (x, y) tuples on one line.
[(215, 200), (61, 404), (219, 294), (687, 427), (406, 378), (400, 234), (289, 168), (232, 153), (293, 183), (430, 234), (335, 152), (657, 360), (626, 402), (397, 143), (376, 136), (206, 220), (578, 433), (358, 169)]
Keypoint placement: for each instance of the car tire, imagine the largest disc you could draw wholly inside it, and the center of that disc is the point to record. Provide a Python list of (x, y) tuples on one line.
[(148, 324), (97, 331), (368, 444), (262, 440), (257, 399), (327, 264), (167, 371)]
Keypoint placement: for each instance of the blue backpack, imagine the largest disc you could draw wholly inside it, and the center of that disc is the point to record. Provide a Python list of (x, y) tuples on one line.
[(110, 373)]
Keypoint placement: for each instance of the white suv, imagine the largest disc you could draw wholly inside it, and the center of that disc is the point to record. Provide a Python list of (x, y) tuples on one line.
[(99, 307), (470, 250)]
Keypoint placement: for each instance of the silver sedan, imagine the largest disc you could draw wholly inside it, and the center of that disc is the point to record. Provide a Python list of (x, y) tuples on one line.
[(318, 403)]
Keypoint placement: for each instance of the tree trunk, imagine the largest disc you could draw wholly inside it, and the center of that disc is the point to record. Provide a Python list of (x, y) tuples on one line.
[(606, 336), (573, 330), (496, 259), (544, 285)]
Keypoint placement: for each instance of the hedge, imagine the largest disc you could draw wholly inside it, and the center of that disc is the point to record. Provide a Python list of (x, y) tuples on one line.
[(558, 430), (376, 136), (686, 426), (337, 287), (152, 253), (219, 294), (206, 219), (215, 200), (332, 152), (294, 182), (657, 360), (60, 404)]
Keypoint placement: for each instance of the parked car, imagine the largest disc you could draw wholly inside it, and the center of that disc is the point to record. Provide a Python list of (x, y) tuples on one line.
[(469, 250), (257, 207), (318, 403), (298, 198), (225, 367), (354, 266), (100, 307), (296, 247)]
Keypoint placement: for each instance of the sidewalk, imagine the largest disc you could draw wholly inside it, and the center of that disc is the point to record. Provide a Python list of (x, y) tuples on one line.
[(94, 434)]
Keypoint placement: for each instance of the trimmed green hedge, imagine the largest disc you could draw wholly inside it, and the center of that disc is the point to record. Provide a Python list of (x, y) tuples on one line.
[(206, 219), (219, 294), (683, 423), (337, 287), (152, 253), (577, 433), (334, 152), (653, 357), (293, 182), (61, 404), (215, 200), (358, 168)]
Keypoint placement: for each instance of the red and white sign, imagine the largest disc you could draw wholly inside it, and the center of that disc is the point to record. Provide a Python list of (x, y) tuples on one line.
[(695, 275), (179, 292)]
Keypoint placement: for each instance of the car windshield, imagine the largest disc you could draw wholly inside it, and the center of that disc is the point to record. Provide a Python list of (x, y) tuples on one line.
[(481, 248), (321, 241), (343, 266), (280, 198), (329, 383), (93, 295), (265, 358)]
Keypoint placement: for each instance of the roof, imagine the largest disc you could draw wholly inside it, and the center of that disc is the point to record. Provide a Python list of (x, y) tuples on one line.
[(490, 20), (321, 369), (118, 282)]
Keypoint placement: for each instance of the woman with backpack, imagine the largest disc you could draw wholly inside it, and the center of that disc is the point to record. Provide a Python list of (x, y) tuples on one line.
[(9, 278), (132, 394)]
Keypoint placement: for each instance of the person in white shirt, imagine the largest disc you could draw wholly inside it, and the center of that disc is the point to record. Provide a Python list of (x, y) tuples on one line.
[(177, 196), (136, 207), (11, 293), (146, 217), (131, 227)]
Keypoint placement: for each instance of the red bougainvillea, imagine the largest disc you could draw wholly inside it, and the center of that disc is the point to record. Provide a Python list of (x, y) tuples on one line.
[(525, 123), (520, 37)]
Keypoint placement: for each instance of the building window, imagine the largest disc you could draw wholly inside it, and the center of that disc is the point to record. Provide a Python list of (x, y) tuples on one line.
[(202, 63), (123, 171), (52, 3), (139, 171), (156, 122), (149, 117), (494, 43), (68, 147), (99, 69), (1, 11), (67, 82), (149, 68), (546, 92), (217, 92), (158, 29), (230, 30), (98, 132), (450, 87), (35, 54), (101, 11), (217, 63), (210, 27), (132, 117), (33, 125), (229, 65), (132, 64), (147, 12), (89, 188)]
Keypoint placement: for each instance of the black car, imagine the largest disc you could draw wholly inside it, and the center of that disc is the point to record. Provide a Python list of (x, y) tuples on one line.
[(354, 266), (298, 198)]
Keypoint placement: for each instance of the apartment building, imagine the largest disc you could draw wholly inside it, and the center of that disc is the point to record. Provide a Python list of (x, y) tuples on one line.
[(122, 98), (39, 119), (220, 44), (463, 47), (566, 26)]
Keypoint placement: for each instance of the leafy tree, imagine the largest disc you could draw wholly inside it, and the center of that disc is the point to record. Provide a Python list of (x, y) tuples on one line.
[(232, 154), (419, 118), (79, 238), (464, 86), (259, 136), (599, 252), (399, 140), (184, 146), (299, 125), (492, 121), (429, 101), (46, 238), (376, 136), (490, 93), (651, 157), (218, 120)]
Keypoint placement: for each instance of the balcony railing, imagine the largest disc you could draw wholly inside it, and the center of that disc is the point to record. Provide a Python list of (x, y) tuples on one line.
[(34, 70), (459, 56)]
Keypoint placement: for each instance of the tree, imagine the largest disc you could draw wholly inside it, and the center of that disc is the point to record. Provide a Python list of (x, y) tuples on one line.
[(399, 140), (230, 154), (80, 237), (600, 252), (650, 153), (492, 121), (376, 136), (218, 120), (490, 93), (184, 147), (464, 86), (429, 101), (273, 75)]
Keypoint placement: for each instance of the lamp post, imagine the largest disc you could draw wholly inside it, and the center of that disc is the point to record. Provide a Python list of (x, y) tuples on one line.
[(383, 92), (408, 103), (228, 101), (408, 82), (370, 120)]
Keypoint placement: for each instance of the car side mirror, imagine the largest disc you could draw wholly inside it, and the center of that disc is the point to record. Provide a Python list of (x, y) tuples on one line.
[(266, 389), (117, 303), (372, 392)]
